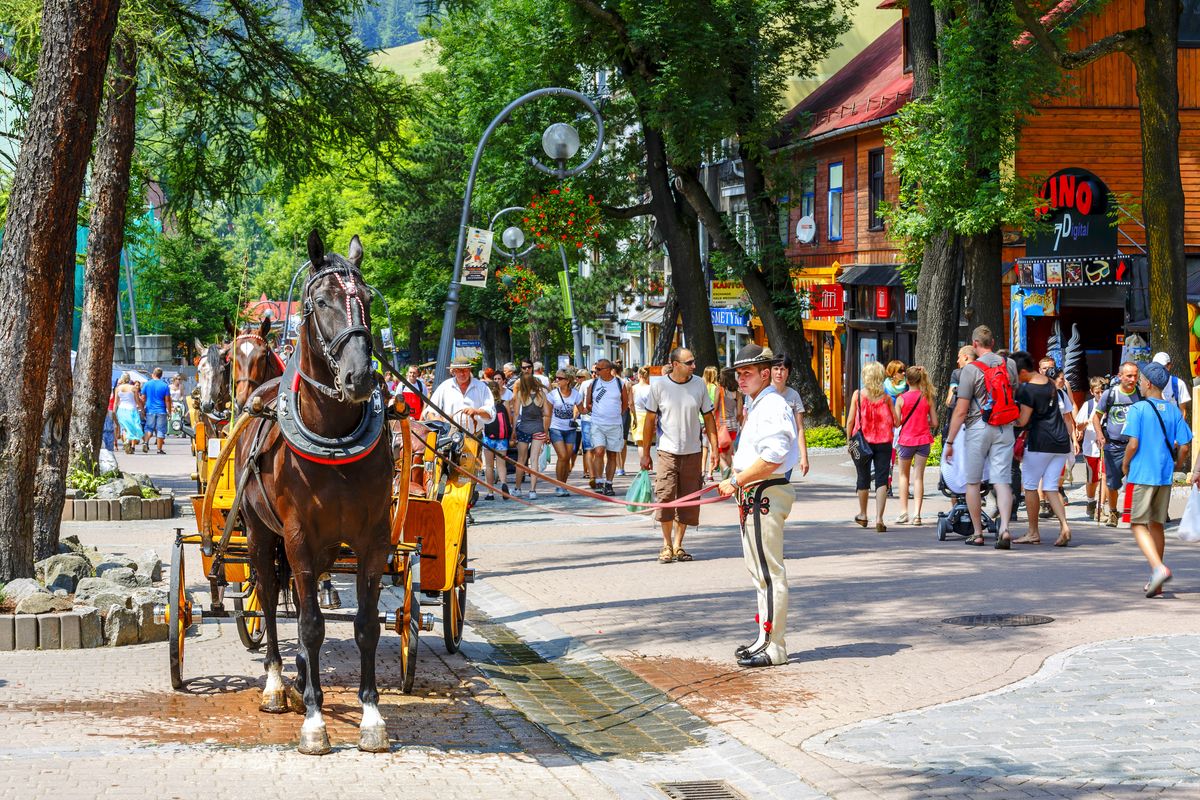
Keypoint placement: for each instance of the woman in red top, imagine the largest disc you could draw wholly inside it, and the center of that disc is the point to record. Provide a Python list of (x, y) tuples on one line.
[(918, 420), (872, 411)]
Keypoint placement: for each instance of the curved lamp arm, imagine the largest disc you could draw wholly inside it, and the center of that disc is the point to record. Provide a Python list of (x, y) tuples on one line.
[(446, 343), (498, 248)]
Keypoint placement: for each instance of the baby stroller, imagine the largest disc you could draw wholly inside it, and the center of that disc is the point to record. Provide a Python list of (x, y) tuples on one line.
[(953, 484), (958, 519)]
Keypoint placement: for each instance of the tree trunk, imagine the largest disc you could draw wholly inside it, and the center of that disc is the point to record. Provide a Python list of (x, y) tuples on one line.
[(106, 235), (504, 350), (937, 322), (982, 300), (535, 341), (1162, 184), (487, 341), (416, 332), (39, 246), (50, 484), (680, 233), (666, 332)]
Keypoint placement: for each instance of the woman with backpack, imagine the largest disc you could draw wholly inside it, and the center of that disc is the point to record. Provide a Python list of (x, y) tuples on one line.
[(1049, 440), (496, 435), (917, 418), (873, 414), (530, 407)]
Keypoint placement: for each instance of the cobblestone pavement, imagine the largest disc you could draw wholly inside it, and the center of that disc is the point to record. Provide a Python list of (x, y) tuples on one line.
[(589, 670), (1113, 712)]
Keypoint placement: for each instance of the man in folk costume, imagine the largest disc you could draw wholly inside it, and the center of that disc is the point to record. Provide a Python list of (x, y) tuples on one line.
[(767, 448)]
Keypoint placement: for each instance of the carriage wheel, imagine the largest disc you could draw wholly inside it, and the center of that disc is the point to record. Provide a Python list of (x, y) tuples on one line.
[(454, 603), (179, 616), (409, 628), (250, 629)]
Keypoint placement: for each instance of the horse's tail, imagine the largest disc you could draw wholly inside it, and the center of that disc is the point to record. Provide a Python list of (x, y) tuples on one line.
[(283, 573)]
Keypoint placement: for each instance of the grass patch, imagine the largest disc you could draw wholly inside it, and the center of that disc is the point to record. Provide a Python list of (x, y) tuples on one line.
[(825, 436)]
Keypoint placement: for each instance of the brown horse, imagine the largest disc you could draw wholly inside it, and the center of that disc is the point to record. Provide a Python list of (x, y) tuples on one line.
[(254, 363), (307, 504)]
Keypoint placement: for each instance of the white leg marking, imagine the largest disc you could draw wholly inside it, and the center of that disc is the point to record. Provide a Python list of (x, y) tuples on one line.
[(274, 680), (371, 718), (313, 723)]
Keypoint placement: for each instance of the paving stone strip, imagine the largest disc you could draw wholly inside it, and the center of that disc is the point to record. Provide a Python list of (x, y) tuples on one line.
[(620, 728), (1122, 712)]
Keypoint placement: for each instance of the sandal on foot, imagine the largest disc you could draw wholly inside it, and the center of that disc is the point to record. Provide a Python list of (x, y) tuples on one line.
[(1027, 539), (1063, 541), (862, 521), (666, 555), (880, 527), (978, 541), (902, 519), (682, 555), (917, 520), (1003, 541)]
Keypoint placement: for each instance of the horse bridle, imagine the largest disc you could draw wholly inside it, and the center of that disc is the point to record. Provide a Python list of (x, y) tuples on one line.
[(218, 415), (243, 378), (355, 315)]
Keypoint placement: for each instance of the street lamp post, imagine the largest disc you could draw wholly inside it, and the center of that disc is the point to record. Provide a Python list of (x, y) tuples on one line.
[(558, 145)]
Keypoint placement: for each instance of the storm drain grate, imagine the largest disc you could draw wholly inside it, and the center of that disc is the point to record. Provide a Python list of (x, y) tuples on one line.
[(998, 620), (701, 790)]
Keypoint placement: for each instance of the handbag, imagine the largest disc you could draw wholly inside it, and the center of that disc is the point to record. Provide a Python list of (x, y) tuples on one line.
[(1019, 446), (724, 440), (858, 446)]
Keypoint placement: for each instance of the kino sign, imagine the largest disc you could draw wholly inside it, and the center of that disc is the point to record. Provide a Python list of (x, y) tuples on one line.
[(1076, 208)]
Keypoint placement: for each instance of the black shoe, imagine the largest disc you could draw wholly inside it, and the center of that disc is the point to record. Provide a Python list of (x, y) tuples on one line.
[(759, 659), (1003, 542), (608, 490), (743, 650)]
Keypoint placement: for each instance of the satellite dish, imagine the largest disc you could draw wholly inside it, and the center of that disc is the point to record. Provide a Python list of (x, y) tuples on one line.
[(806, 229)]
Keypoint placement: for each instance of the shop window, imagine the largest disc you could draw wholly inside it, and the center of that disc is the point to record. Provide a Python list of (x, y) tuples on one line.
[(874, 189), (835, 202)]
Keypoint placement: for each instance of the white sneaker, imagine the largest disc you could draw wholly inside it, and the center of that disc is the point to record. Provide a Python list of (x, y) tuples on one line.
[(620, 473), (531, 496)]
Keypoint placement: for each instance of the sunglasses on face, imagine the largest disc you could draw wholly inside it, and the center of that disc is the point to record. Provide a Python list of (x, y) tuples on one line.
[(527, 366), (691, 362)]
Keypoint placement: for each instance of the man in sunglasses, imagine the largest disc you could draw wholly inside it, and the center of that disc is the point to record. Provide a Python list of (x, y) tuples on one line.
[(678, 402), (606, 399)]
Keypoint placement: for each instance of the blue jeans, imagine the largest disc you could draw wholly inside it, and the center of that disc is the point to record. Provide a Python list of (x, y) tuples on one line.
[(585, 426), (156, 424), (567, 436)]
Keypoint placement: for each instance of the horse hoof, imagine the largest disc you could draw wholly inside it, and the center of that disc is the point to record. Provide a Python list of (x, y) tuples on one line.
[(374, 740), (274, 703), (295, 700), (314, 742)]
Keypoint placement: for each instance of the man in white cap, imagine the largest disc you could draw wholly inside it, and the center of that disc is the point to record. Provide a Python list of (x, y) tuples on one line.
[(464, 397), (767, 448), (1176, 391)]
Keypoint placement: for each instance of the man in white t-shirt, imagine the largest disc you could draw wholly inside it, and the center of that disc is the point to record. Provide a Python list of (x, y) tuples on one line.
[(1176, 391), (678, 402), (606, 399), (539, 372)]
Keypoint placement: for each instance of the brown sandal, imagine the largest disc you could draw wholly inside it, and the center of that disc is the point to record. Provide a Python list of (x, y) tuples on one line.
[(682, 555), (665, 556)]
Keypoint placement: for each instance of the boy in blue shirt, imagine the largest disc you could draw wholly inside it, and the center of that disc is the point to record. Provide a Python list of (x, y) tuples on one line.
[(1158, 441)]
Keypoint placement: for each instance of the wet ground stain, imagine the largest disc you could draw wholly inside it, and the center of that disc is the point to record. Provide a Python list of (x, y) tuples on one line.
[(709, 688)]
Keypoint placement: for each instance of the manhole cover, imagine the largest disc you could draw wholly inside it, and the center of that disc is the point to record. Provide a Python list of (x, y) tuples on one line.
[(998, 620), (701, 790)]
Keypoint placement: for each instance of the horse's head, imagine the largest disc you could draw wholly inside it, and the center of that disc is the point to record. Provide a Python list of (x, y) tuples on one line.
[(212, 378), (254, 362), (337, 318)]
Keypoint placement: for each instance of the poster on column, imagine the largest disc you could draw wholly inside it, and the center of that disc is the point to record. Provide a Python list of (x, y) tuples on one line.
[(868, 351), (478, 252)]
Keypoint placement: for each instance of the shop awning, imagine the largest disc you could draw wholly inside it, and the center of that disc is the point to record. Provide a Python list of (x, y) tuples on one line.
[(650, 316), (1193, 286), (871, 275)]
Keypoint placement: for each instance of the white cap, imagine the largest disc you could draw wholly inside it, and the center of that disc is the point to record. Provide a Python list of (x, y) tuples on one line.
[(1162, 358)]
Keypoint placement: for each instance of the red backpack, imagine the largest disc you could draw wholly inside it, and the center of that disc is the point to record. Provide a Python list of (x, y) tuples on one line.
[(1000, 408)]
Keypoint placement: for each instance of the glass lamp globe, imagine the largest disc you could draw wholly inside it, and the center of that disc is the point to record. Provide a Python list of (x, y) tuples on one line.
[(513, 237), (560, 141)]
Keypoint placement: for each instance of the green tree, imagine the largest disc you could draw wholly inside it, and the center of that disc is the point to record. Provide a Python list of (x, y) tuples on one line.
[(191, 287)]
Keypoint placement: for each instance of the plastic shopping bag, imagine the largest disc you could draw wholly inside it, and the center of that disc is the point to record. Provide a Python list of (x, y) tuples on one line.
[(545, 459), (639, 491), (954, 472), (1189, 525)]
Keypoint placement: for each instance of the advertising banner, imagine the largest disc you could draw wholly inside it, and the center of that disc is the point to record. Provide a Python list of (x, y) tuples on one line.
[(478, 253)]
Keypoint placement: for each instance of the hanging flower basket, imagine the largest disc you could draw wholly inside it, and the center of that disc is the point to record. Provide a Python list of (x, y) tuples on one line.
[(562, 217), (521, 285)]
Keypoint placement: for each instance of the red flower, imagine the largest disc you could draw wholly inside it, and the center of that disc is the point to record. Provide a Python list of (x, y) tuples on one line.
[(554, 191)]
